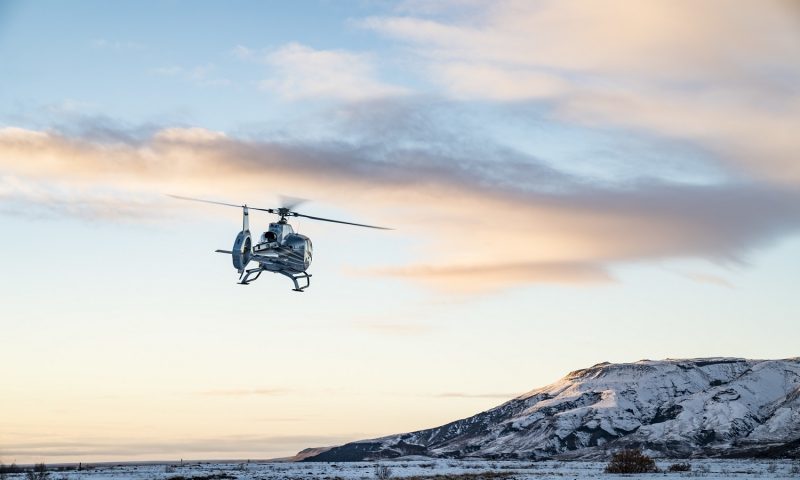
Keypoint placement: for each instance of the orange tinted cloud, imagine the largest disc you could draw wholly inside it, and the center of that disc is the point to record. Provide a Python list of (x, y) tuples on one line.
[(482, 226), (719, 75), (487, 277)]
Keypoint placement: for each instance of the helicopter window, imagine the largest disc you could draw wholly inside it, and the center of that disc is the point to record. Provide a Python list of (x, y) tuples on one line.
[(270, 236)]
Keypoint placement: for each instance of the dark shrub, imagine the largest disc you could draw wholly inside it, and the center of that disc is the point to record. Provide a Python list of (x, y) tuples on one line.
[(39, 472), (631, 461), (680, 467), (13, 468)]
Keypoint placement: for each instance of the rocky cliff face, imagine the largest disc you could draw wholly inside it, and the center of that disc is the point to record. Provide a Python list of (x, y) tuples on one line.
[(673, 408)]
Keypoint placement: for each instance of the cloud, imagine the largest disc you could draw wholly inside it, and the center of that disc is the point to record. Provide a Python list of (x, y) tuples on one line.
[(486, 216), (201, 75), (300, 72), (707, 278), (236, 446), (243, 53), (505, 396), (697, 81), (393, 328), (658, 40), (477, 278), (245, 392), (703, 72), (47, 200)]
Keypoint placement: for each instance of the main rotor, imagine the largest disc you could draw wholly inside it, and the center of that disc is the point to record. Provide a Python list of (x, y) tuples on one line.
[(284, 211)]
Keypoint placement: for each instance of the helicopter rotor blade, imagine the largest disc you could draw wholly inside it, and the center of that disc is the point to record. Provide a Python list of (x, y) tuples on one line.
[(205, 201), (283, 211), (295, 214), (270, 210)]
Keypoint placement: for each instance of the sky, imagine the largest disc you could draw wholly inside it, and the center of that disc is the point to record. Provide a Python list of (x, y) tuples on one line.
[(567, 182)]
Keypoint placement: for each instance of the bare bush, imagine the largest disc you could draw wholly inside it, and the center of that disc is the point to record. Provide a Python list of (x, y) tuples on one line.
[(211, 476), (487, 475), (631, 461), (383, 472), (39, 472)]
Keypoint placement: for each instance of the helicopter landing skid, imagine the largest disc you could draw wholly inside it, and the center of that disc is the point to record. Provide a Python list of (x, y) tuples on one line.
[(253, 274), (245, 278), (298, 276)]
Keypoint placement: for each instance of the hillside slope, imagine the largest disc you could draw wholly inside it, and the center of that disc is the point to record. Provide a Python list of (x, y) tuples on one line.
[(674, 408)]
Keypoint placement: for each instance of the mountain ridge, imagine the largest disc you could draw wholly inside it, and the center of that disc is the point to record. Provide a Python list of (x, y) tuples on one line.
[(696, 407)]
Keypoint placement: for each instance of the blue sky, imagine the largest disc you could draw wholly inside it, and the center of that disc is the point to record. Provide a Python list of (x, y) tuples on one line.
[(132, 56), (561, 196)]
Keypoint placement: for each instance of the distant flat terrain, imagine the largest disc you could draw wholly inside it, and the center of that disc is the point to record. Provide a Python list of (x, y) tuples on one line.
[(444, 469)]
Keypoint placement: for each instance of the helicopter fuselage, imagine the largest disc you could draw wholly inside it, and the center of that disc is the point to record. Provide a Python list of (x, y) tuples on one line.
[(280, 248)]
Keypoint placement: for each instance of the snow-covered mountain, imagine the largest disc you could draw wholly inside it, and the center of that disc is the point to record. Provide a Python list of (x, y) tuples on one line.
[(675, 408)]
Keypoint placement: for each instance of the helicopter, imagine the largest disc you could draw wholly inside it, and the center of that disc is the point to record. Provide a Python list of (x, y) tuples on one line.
[(279, 249)]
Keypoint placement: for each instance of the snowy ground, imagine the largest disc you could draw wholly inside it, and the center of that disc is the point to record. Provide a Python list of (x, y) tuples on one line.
[(709, 469)]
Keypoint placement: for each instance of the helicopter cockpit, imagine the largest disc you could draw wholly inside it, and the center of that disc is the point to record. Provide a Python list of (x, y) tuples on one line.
[(277, 236), (277, 232)]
